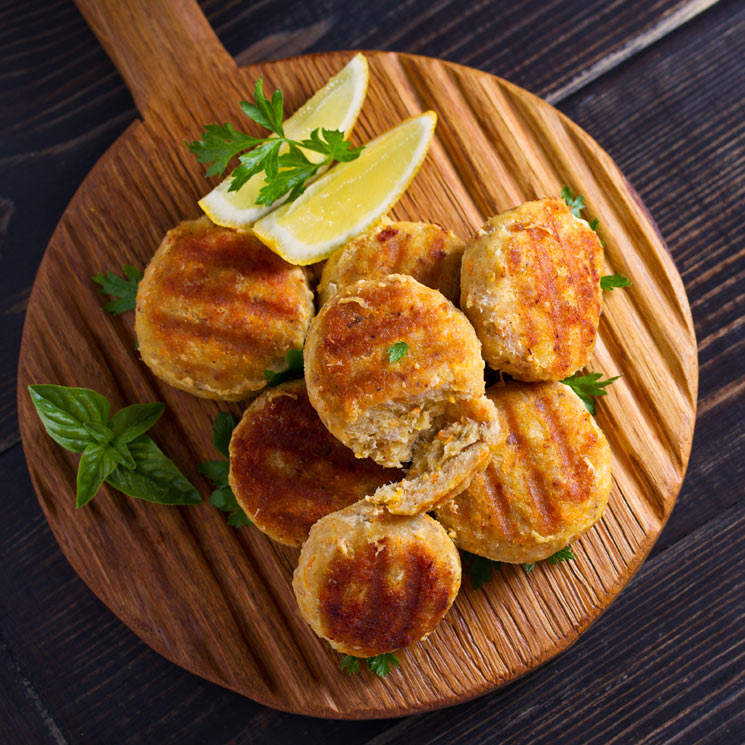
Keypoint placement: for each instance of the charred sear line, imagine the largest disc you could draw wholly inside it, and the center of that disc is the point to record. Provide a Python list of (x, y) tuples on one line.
[(536, 483), (493, 489), (178, 332), (377, 600), (576, 475)]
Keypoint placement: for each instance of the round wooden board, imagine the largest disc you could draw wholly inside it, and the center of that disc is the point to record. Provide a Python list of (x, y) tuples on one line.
[(218, 601)]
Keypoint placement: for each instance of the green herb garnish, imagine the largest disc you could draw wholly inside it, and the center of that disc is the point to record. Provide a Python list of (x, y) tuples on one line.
[(609, 281), (124, 289), (292, 371), (563, 554), (217, 472), (381, 664), (115, 450), (577, 204), (350, 664), (398, 351), (479, 569), (286, 168), (587, 386)]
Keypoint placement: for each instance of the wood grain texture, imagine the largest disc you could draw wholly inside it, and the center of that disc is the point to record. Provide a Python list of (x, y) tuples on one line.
[(230, 614)]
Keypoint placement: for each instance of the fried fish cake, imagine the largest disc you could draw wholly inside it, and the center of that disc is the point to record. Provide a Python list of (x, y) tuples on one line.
[(545, 485), (377, 404), (371, 582), (530, 284), (286, 469), (429, 253), (216, 308)]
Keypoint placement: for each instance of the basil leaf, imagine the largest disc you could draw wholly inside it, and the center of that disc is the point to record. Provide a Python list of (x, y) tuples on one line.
[(99, 432), (121, 454), (96, 464), (154, 478), (215, 470), (222, 431), (132, 421), (64, 411)]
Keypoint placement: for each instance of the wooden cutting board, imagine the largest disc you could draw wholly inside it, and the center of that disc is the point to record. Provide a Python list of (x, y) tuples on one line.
[(218, 601)]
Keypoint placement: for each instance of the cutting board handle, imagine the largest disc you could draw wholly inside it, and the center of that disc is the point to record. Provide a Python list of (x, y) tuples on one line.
[(164, 49)]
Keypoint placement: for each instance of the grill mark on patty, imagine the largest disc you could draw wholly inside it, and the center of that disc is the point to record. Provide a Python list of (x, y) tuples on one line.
[(548, 286), (524, 326), (238, 252), (176, 332), (578, 480), (493, 487), (539, 491), (359, 607), (290, 471), (212, 295)]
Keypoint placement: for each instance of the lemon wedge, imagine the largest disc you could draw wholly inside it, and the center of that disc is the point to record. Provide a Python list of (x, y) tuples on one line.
[(350, 197), (335, 106)]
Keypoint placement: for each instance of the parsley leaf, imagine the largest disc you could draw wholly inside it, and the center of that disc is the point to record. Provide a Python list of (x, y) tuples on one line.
[(609, 281), (381, 664), (563, 554), (398, 351), (529, 567), (587, 386), (123, 289), (221, 142), (577, 204), (479, 569), (268, 115), (293, 371), (331, 142), (350, 664), (287, 169), (217, 472), (222, 432)]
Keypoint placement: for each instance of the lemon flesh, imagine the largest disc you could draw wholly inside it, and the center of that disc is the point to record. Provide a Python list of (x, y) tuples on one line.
[(335, 106), (350, 197)]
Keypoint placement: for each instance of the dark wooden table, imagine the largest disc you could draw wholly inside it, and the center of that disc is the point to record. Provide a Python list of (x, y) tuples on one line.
[(661, 85)]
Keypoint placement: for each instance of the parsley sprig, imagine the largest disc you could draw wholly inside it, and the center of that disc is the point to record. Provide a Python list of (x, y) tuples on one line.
[(381, 664), (479, 569), (217, 472), (123, 289), (563, 554), (588, 386), (286, 167), (609, 281), (293, 370), (576, 203)]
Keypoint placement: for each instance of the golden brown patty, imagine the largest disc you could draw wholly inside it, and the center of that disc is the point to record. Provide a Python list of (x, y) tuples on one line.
[(429, 253), (287, 471), (530, 284), (377, 407), (370, 582), (545, 486), (216, 308)]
